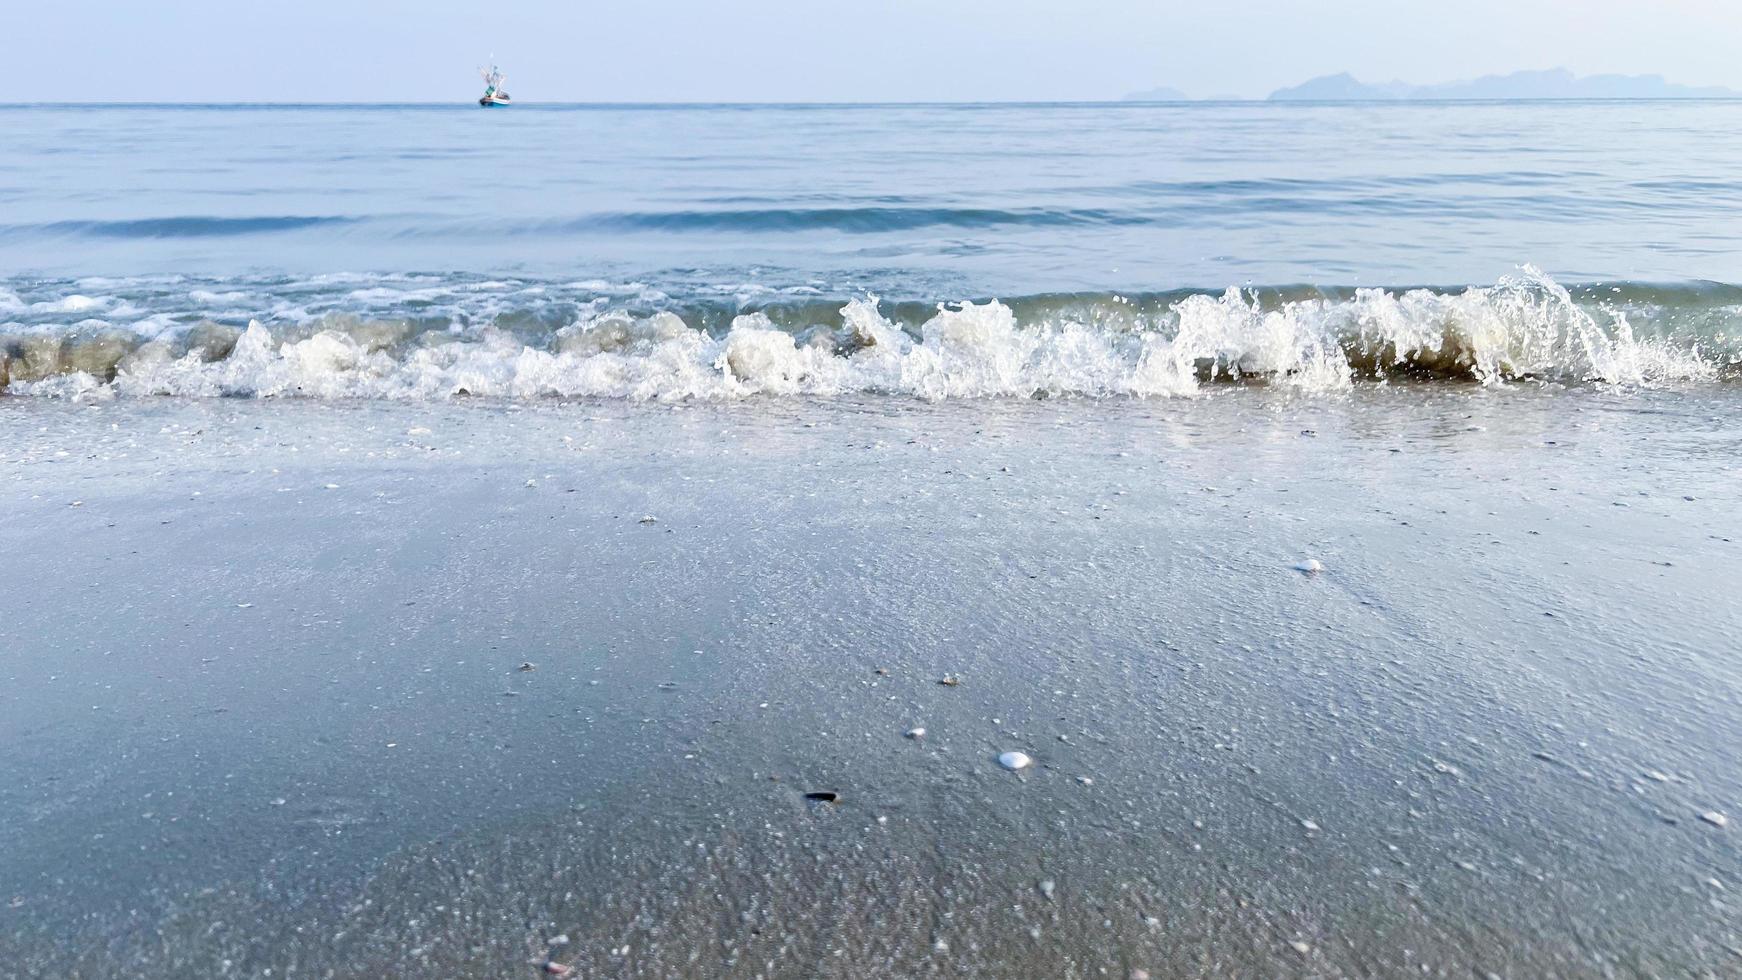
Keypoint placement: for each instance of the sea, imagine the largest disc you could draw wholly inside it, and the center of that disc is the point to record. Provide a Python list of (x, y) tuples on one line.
[(674, 252), (623, 541)]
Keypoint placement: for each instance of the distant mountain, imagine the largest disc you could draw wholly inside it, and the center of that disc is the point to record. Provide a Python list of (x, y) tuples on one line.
[(1163, 94), (1343, 87), (1556, 83)]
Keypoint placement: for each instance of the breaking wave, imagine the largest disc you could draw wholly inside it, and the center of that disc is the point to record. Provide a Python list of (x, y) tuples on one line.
[(436, 337)]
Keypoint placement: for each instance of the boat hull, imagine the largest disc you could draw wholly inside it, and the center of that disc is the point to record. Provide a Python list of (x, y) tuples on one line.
[(491, 102)]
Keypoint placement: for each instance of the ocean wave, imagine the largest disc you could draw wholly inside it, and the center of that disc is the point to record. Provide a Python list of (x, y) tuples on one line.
[(539, 340), (181, 226), (852, 220)]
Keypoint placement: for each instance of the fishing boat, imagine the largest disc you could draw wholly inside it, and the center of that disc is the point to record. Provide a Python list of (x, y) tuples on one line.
[(494, 93)]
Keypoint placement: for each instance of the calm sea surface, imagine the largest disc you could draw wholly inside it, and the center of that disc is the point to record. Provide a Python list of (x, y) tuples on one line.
[(981, 199)]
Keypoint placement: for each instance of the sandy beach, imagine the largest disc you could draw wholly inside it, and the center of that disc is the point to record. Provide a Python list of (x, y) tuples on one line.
[(351, 689)]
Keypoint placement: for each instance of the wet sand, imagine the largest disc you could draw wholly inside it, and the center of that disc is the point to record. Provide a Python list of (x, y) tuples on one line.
[(364, 690)]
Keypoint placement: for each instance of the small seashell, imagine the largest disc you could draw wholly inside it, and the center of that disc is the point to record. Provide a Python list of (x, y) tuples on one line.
[(648, 519), (1015, 760), (528, 665), (1312, 566), (556, 969), (824, 796), (916, 733), (950, 681), (1715, 818)]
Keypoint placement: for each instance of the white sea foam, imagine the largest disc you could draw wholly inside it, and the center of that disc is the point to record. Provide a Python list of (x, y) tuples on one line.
[(208, 298), (1524, 327), (76, 303)]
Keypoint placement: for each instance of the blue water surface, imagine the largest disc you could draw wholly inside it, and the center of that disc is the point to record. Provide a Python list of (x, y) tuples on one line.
[(917, 201)]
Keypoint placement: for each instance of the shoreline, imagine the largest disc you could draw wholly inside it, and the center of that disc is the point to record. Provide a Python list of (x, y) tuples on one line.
[(313, 746)]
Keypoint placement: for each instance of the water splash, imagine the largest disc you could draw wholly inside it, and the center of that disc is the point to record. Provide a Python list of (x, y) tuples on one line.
[(1526, 326)]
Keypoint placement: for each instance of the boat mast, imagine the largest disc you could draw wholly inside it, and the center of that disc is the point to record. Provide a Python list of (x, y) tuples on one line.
[(492, 79)]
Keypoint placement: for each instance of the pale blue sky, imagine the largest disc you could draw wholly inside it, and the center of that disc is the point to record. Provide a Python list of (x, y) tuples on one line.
[(829, 50)]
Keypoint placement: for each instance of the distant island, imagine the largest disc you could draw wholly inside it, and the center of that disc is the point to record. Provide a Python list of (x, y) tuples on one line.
[(1163, 94), (1554, 83)]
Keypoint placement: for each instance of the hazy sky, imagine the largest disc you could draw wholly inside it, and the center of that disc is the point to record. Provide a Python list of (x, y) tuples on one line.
[(829, 50)]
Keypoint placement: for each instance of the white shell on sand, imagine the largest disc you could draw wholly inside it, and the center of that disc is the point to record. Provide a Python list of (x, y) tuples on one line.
[(1311, 566), (1015, 760), (1714, 818), (916, 733)]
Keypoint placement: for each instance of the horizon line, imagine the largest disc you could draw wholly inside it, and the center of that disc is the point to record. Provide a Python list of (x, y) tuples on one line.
[(802, 103)]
